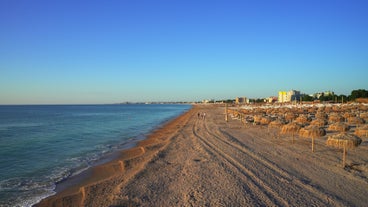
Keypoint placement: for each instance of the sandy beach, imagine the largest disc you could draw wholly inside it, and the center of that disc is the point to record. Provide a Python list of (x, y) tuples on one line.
[(194, 161)]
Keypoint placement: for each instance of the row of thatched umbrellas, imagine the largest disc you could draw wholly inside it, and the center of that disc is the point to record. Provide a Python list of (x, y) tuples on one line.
[(312, 122)]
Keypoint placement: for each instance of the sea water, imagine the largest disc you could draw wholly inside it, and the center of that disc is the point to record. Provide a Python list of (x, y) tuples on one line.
[(42, 145)]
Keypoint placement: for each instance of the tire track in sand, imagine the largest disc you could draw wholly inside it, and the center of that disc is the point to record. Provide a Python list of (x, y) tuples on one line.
[(262, 169), (256, 187)]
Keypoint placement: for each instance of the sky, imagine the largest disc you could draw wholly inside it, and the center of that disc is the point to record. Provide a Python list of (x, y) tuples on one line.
[(95, 52)]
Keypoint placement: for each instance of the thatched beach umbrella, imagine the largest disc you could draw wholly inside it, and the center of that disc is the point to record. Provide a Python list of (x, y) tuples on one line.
[(347, 115), (235, 114), (312, 110), (319, 122), (339, 126), (257, 119), (302, 119), (334, 117), (278, 123), (362, 131), (270, 111), (289, 116), (328, 109), (362, 107), (291, 128), (265, 120), (312, 132), (300, 110), (355, 120), (344, 141), (364, 116), (321, 115), (282, 111)]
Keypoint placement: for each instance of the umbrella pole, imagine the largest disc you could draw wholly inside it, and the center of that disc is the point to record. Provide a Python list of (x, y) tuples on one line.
[(344, 156), (226, 117), (312, 144)]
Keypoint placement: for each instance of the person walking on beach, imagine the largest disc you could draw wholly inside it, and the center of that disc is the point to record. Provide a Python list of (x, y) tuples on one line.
[(204, 115), (199, 114)]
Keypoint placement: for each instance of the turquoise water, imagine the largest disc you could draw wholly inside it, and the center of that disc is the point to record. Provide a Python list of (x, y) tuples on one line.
[(42, 145)]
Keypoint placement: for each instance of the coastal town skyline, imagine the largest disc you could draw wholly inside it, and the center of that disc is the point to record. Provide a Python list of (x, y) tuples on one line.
[(78, 52)]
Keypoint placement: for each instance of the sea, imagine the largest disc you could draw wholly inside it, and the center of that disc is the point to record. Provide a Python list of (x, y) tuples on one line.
[(41, 145)]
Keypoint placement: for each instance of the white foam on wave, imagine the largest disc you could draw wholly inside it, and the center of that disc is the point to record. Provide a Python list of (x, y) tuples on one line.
[(28, 202), (28, 191)]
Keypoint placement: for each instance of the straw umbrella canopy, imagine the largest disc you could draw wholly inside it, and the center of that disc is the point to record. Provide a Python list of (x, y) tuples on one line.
[(302, 120), (281, 111), (362, 131), (257, 119), (321, 115), (235, 114), (300, 110), (363, 107), (248, 119), (343, 141), (364, 116), (312, 132), (265, 120), (335, 118), (244, 111), (291, 128), (321, 110), (355, 120), (339, 126), (318, 122), (232, 112), (270, 111), (289, 116), (328, 109), (347, 115), (312, 110), (278, 123)]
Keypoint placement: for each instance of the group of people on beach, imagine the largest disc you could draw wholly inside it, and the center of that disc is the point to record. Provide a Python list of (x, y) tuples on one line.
[(201, 115)]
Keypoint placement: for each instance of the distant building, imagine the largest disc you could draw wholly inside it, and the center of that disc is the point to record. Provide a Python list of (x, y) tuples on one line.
[(241, 100), (208, 101), (289, 96), (329, 93), (294, 95), (326, 93), (283, 96), (271, 99)]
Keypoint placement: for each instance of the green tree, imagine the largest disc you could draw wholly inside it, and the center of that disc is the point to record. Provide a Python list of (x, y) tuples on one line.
[(326, 98), (306, 97), (230, 101), (360, 93), (342, 97)]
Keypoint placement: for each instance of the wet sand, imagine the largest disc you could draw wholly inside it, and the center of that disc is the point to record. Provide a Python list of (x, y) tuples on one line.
[(211, 162)]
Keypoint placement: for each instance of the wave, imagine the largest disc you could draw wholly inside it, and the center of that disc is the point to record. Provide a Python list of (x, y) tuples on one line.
[(29, 191), (8, 126)]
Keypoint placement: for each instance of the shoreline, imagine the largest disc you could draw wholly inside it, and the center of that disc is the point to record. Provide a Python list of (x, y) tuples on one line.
[(111, 165), (109, 157), (207, 161)]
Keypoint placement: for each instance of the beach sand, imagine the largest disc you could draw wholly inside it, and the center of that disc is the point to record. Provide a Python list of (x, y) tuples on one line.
[(211, 162)]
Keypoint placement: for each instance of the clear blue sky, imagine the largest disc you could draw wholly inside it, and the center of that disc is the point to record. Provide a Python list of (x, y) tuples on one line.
[(179, 50)]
